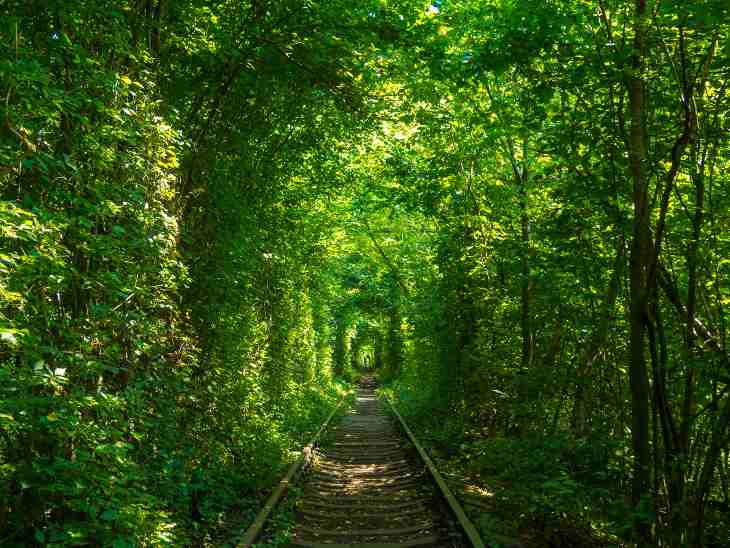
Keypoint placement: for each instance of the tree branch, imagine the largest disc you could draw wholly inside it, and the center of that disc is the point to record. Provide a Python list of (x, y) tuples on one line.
[(386, 259)]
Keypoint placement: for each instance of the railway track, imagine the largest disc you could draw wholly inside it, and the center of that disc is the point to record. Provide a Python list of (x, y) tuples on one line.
[(368, 486)]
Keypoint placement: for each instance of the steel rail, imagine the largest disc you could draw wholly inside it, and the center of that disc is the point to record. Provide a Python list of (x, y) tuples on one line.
[(253, 532), (456, 509)]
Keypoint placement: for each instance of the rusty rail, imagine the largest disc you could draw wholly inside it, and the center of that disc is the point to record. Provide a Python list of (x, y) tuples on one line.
[(253, 532), (456, 509)]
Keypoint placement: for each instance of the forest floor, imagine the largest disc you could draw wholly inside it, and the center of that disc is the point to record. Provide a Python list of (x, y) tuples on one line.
[(518, 492)]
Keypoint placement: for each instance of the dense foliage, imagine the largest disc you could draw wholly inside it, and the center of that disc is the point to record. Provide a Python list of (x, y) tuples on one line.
[(572, 159), (212, 213), (164, 328)]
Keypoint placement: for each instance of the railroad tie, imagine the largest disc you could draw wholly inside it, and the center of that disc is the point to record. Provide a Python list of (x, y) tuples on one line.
[(363, 491)]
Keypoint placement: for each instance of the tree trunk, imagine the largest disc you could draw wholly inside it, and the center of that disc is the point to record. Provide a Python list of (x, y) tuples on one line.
[(525, 320), (597, 341), (718, 440), (641, 251)]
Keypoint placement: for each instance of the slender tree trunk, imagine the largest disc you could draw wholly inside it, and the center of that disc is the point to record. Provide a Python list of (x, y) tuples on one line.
[(525, 282), (641, 251), (679, 511), (689, 405), (597, 341), (717, 442)]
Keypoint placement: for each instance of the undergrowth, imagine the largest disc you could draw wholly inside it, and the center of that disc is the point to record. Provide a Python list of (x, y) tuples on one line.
[(536, 491)]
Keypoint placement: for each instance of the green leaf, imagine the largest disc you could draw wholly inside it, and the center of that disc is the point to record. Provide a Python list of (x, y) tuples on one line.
[(9, 337), (109, 515)]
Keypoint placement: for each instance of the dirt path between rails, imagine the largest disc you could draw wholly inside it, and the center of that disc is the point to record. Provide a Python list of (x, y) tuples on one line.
[(363, 491)]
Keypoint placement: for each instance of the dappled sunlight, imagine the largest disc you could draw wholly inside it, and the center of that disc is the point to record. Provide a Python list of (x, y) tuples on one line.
[(363, 473)]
